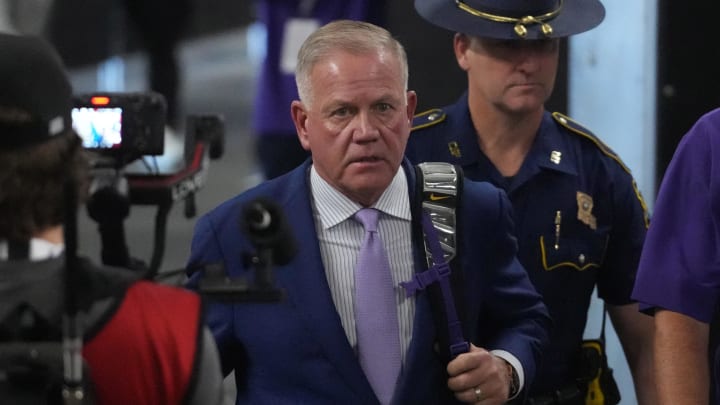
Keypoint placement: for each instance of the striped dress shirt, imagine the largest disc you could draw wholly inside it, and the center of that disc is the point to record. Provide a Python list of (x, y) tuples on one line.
[(340, 237)]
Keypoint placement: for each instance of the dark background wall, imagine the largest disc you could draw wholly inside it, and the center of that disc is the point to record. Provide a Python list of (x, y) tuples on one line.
[(434, 73), (87, 31), (688, 82)]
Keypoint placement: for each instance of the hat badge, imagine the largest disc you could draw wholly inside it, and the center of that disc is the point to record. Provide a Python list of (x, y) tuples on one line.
[(520, 23)]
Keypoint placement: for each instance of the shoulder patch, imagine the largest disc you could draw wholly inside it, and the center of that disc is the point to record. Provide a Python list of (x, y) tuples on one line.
[(578, 129), (428, 118)]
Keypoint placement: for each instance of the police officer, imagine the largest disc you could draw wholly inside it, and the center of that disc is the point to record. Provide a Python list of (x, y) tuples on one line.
[(580, 219), (144, 343)]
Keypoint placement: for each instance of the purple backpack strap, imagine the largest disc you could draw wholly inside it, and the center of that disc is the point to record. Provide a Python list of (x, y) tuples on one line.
[(439, 272)]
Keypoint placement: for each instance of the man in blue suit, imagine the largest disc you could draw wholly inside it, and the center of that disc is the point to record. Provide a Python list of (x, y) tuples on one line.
[(354, 117)]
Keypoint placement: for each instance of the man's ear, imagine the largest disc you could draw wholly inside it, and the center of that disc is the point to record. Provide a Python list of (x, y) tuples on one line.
[(461, 43), (411, 105), (299, 116)]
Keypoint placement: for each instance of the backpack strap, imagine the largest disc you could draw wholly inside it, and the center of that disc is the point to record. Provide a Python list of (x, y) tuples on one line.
[(440, 184)]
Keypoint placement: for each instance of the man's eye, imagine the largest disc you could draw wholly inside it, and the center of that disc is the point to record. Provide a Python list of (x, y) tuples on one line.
[(341, 112), (382, 107)]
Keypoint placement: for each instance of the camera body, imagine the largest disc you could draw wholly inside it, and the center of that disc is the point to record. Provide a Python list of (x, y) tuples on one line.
[(123, 126)]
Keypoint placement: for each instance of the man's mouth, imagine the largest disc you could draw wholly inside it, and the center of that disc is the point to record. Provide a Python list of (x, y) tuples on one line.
[(366, 159)]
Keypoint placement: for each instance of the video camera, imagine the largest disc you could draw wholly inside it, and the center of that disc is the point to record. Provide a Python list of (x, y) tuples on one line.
[(127, 134), (123, 126), (127, 127)]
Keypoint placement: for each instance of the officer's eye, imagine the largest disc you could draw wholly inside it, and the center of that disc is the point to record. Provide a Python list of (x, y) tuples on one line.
[(546, 45), (541, 45), (538, 45)]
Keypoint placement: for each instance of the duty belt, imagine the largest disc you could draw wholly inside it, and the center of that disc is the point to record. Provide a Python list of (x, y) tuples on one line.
[(567, 395)]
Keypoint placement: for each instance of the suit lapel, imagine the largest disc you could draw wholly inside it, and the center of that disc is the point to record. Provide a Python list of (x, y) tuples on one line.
[(306, 287), (420, 361)]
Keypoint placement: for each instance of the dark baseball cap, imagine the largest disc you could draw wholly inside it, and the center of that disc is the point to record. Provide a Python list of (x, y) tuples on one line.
[(35, 93), (513, 19)]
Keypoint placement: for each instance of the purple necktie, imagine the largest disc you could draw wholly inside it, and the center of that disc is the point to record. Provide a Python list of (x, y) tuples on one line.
[(376, 319)]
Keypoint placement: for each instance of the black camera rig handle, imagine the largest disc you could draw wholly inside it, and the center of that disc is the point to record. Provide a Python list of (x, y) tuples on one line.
[(204, 141)]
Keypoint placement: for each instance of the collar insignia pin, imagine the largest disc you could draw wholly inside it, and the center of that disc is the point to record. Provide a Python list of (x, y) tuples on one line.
[(555, 157)]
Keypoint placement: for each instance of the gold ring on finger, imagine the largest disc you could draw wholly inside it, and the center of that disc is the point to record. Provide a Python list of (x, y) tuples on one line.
[(478, 394)]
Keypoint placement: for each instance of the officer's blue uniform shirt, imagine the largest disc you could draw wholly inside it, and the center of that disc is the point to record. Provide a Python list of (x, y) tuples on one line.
[(579, 218)]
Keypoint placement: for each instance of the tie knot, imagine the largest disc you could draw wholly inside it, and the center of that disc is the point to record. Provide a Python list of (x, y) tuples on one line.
[(368, 217)]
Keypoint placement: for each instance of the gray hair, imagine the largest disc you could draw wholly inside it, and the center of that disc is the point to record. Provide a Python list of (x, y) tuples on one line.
[(356, 37)]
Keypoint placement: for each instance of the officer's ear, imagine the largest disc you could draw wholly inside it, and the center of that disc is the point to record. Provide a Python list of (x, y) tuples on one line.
[(461, 45)]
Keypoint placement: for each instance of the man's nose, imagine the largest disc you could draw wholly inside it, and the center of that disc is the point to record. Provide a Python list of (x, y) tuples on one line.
[(366, 127), (528, 60)]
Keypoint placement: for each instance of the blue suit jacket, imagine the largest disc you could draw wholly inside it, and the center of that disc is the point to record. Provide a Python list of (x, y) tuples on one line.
[(296, 351)]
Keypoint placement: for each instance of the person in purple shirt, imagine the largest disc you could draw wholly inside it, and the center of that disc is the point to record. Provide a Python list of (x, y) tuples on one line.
[(679, 276), (287, 23)]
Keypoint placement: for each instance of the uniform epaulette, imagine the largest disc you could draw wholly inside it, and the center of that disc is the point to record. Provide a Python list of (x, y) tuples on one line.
[(576, 128), (428, 118)]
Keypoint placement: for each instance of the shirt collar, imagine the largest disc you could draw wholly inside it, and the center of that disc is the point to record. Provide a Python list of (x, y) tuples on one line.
[(40, 249), (38, 283), (548, 151), (551, 150), (334, 207)]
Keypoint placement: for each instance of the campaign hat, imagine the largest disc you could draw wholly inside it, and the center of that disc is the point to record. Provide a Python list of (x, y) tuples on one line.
[(513, 19)]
